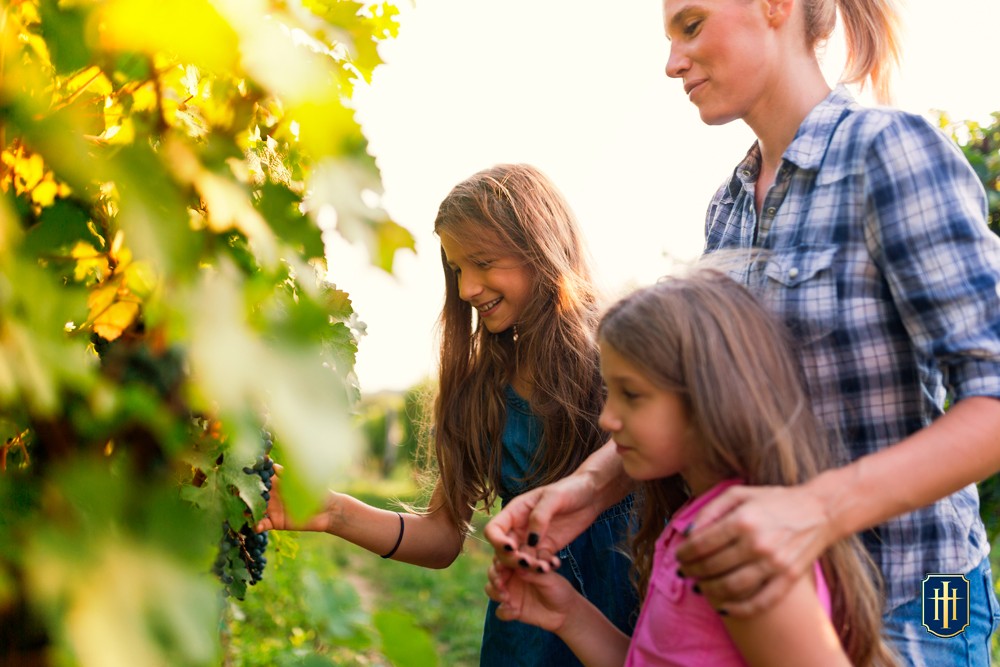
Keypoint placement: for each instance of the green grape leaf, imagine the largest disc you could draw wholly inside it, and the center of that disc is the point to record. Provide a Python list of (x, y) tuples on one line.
[(64, 31), (338, 302), (132, 604), (390, 237), (404, 642), (232, 491), (60, 226), (280, 207)]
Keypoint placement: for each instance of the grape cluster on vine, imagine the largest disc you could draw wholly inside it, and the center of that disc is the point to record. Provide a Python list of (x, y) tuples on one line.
[(241, 556)]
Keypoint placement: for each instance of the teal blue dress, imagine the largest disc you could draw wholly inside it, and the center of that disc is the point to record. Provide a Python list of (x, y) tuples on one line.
[(592, 562)]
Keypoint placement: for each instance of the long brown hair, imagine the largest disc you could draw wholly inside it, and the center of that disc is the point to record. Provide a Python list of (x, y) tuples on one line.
[(515, 210), (706, 337), (871, 28)]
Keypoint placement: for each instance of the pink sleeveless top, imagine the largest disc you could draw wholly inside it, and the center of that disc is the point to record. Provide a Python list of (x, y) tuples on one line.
[(676, 626)]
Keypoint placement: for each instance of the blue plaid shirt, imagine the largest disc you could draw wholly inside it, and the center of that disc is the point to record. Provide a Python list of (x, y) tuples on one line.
[(872, 246)]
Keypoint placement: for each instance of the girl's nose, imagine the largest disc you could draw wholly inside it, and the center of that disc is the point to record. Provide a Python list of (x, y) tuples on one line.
[(608, 421), (469, 286)]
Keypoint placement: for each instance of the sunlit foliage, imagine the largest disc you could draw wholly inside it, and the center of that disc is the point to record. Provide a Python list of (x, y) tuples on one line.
[(168, 172)]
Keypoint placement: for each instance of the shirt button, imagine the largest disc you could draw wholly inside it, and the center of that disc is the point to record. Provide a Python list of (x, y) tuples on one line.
[(746, 172), (771, 210), (793, 273)]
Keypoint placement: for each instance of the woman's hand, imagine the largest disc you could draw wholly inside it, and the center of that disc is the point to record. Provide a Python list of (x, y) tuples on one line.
[(748, 546), (534, 526), (538, 523)]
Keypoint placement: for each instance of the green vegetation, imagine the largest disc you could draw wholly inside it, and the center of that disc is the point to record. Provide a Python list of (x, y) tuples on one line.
[(168, 171), (339, 604)]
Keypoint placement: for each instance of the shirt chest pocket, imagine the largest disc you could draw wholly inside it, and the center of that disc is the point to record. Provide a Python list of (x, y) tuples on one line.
[(666, 612), (800, 287)]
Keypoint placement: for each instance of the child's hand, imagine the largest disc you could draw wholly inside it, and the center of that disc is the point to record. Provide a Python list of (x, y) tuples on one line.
[(276, 518), (542, 599)]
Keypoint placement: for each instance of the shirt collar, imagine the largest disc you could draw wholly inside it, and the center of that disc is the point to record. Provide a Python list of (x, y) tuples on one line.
[(810, 144), (815, 134), (684, 516)]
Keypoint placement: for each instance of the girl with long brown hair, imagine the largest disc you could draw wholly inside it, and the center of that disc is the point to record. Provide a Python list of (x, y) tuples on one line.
[(705, 394), (518, 398)]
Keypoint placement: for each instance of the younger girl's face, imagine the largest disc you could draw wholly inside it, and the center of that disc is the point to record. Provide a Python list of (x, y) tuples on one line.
[(497, 285), (650, 425)]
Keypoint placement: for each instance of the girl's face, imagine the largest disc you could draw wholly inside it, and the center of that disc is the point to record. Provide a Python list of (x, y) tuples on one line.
[(720, 50), (650, 425), (497, 285)]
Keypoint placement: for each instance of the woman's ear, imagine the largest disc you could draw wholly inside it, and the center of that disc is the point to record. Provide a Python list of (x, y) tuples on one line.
[(778, 11)]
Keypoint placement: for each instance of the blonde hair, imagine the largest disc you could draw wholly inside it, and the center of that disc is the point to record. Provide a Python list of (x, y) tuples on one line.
[(515, 210), (871, 28), (707, 338)]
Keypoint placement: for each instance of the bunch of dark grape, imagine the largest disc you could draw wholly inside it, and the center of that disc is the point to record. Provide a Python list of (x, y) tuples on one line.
[(241, 558), (252, 552)]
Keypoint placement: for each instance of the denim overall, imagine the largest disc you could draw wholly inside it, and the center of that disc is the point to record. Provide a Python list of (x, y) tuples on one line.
[(591, 562)]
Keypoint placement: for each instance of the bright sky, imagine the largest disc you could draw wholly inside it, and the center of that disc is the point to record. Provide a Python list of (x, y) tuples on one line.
[(577, 88)]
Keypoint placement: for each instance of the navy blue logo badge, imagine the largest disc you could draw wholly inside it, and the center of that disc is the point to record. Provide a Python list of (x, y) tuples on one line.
[(945, 604)]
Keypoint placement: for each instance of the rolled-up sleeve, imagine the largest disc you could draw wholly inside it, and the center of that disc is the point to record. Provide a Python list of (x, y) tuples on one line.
[(926, 229)]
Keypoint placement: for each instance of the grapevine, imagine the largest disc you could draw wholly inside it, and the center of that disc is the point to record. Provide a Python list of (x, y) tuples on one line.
[(162, 180), (241, 559)]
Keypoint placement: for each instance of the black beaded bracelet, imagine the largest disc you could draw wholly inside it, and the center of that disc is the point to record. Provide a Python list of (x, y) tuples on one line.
[(399, 540)]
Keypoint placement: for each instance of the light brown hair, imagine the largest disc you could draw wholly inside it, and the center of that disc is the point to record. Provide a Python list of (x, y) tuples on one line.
[(871, 28), (707, 338), (515, 210)]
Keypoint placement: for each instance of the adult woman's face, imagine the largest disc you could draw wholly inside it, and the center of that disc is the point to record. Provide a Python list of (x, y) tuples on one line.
[(722, 51)]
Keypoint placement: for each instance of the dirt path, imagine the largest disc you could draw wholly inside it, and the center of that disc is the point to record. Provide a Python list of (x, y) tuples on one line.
[(366, 592)]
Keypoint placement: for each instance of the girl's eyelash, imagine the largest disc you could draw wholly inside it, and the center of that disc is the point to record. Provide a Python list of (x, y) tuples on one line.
[(690, 28)]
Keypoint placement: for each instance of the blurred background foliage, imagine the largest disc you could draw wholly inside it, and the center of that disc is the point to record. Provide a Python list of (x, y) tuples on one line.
[(168, 174), (981, 145)]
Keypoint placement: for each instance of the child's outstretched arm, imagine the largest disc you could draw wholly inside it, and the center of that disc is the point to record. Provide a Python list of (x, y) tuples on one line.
[(794, 631), (549, 601), (432, 540)]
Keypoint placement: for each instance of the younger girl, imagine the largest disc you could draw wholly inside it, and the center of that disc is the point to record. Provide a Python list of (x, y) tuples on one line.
[(704, 394), (519, 394)]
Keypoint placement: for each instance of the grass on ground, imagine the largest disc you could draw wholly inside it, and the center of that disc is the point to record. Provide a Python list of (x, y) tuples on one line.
[(324, 601)]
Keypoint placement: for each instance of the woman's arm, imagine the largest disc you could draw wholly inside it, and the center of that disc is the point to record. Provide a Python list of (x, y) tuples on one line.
[(752, 543), (536, 524), (432, 540)]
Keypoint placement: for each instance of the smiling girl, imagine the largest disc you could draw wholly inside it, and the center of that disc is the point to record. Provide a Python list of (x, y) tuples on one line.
[(696, 405), (519, 394)]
